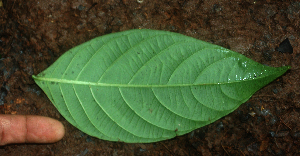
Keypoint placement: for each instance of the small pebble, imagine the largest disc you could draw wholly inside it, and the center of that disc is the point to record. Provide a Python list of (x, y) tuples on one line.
[(275, 91), (142, 150), (81, 7), (273, 134), (192, 134), (220, 126), (88, 139), (252, 114)]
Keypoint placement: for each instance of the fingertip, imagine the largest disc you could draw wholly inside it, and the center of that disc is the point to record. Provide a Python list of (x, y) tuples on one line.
[(43, 129), (60, 132)]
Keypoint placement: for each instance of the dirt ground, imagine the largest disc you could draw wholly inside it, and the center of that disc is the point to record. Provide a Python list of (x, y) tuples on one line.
[(33, 34)]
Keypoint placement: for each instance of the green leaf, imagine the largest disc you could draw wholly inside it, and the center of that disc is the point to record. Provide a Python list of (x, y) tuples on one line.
[(149, 85)]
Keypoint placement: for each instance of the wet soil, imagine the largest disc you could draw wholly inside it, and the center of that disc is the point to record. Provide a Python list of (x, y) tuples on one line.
[(33, 34)]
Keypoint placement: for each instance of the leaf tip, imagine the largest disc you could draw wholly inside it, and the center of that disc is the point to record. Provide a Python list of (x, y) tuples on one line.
[(285, 68)]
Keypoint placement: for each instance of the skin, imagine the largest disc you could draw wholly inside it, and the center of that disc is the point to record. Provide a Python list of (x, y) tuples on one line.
[(29, 129)]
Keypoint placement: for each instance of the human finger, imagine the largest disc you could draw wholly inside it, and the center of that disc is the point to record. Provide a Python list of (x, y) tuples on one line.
[(29, 129)]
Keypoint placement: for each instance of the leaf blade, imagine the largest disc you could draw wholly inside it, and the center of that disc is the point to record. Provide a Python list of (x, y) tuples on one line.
[(148, 85)]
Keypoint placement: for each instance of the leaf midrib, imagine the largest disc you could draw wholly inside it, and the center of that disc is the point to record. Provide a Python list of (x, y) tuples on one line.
[(56, 80)]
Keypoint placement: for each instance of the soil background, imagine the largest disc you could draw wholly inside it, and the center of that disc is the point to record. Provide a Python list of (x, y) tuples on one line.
[(33, 34)]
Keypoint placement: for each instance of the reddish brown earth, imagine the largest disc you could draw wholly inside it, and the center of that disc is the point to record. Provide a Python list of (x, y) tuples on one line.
[(33, 34)]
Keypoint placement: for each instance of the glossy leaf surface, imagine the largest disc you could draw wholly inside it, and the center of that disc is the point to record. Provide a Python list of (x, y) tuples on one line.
[(149, 85)]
